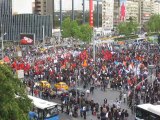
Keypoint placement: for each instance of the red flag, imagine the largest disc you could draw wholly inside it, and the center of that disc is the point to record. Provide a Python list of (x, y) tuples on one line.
[(6, 59), (14, 65), (27, 67), (107, 55), (21, 66), (84, 55)]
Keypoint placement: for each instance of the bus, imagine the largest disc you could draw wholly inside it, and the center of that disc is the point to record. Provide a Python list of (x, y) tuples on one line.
[(147, 112), (45, 110)]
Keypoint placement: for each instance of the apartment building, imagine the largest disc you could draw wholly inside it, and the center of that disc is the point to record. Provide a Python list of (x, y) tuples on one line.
[(145, 10), (132, 10), (116, 13), (107, 14), (44, 7), (156, 7)]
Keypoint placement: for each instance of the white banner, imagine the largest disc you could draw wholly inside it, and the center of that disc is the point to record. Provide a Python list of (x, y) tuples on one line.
[(20, 74)]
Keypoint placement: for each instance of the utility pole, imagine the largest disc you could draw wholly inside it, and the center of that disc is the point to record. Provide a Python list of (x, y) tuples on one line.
[(53, 22), (94, 51), (83, 11), (72, 9), (60, 14), (43, 35), (2, 39), (97, 14), (140, 15)]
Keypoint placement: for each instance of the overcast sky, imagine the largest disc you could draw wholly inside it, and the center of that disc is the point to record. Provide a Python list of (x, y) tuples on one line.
[(25, 6), (22, 6)]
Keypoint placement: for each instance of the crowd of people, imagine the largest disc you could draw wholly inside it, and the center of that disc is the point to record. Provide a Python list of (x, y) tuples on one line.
[(119, 67)]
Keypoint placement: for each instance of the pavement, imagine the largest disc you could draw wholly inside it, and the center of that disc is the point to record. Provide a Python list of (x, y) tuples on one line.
[(99, 96)]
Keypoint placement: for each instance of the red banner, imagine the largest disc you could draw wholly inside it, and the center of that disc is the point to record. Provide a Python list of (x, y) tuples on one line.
[(91, 13), (107, 55)]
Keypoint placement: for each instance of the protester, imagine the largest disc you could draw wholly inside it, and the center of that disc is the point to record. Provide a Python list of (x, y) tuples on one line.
[(119, 68)]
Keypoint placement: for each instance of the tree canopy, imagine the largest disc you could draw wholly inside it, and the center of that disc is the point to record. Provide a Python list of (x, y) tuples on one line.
[(153, 25), (71, 29), (12, 107), (127, 28)]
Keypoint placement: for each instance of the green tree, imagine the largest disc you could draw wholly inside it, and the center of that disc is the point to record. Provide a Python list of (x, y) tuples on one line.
[(127, 28), (66, 28), (153, 25), (11, 107), (71, 29), (75, 30), (86, 33)]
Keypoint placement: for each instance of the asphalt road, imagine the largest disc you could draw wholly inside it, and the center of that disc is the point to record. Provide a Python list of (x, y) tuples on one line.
[(99, 96)]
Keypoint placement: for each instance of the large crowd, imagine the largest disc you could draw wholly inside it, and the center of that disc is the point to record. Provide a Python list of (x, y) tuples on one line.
[(118, 67)]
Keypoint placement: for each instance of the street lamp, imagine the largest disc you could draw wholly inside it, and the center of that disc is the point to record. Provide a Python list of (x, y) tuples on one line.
[(151, 69), (43, 36), (59, 39), (94, 52), (76, 73), (2, 37)]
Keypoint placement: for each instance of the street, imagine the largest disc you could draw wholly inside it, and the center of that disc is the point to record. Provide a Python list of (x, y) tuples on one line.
[(98, 97)]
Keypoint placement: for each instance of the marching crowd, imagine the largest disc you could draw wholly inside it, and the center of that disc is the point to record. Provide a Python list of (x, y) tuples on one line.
[(119, 67)]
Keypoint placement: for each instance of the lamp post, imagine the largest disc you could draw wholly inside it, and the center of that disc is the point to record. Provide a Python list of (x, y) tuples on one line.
[(83, 4), (97, 14), (2, 38), (60, 14), (94, 50), (76, 73), (72, 9), (43, 36), (59, 39), (151, 69)]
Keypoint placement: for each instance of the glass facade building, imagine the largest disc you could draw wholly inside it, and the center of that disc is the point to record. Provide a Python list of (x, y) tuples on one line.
[(32, 23), (14, 25), (6, 18)]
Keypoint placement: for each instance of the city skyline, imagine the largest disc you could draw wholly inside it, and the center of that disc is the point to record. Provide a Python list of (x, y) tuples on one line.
[(21, 7)]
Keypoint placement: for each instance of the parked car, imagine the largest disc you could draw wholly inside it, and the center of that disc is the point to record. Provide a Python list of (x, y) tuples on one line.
[(44, 84), (61, 86)]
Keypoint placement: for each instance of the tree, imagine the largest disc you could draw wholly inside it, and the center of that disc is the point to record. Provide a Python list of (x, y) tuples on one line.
[(12, 107), (75, 30), (127, 28), (66, 28), (86, 33), (71, 29), (153, 25)]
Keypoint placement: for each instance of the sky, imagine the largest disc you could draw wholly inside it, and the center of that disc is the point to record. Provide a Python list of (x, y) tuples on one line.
[(68, 5), (22, 6), (25, 6)]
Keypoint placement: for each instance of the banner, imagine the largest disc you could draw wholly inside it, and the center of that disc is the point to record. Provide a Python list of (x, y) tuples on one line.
[(20, 74), (91, 13), (26, 39), (123, 10)]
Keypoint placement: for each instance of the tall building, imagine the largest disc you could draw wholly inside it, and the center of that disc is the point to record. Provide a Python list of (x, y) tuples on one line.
[(156, 7), (6, 18), (98, 16), (32, 23), (116, 12), (44, 7), (132, 10), (13, 25), (107, 14), (145, 10)]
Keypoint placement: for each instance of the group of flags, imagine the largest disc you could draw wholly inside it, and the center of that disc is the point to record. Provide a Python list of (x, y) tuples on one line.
[(21, 66), (107, 55)]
